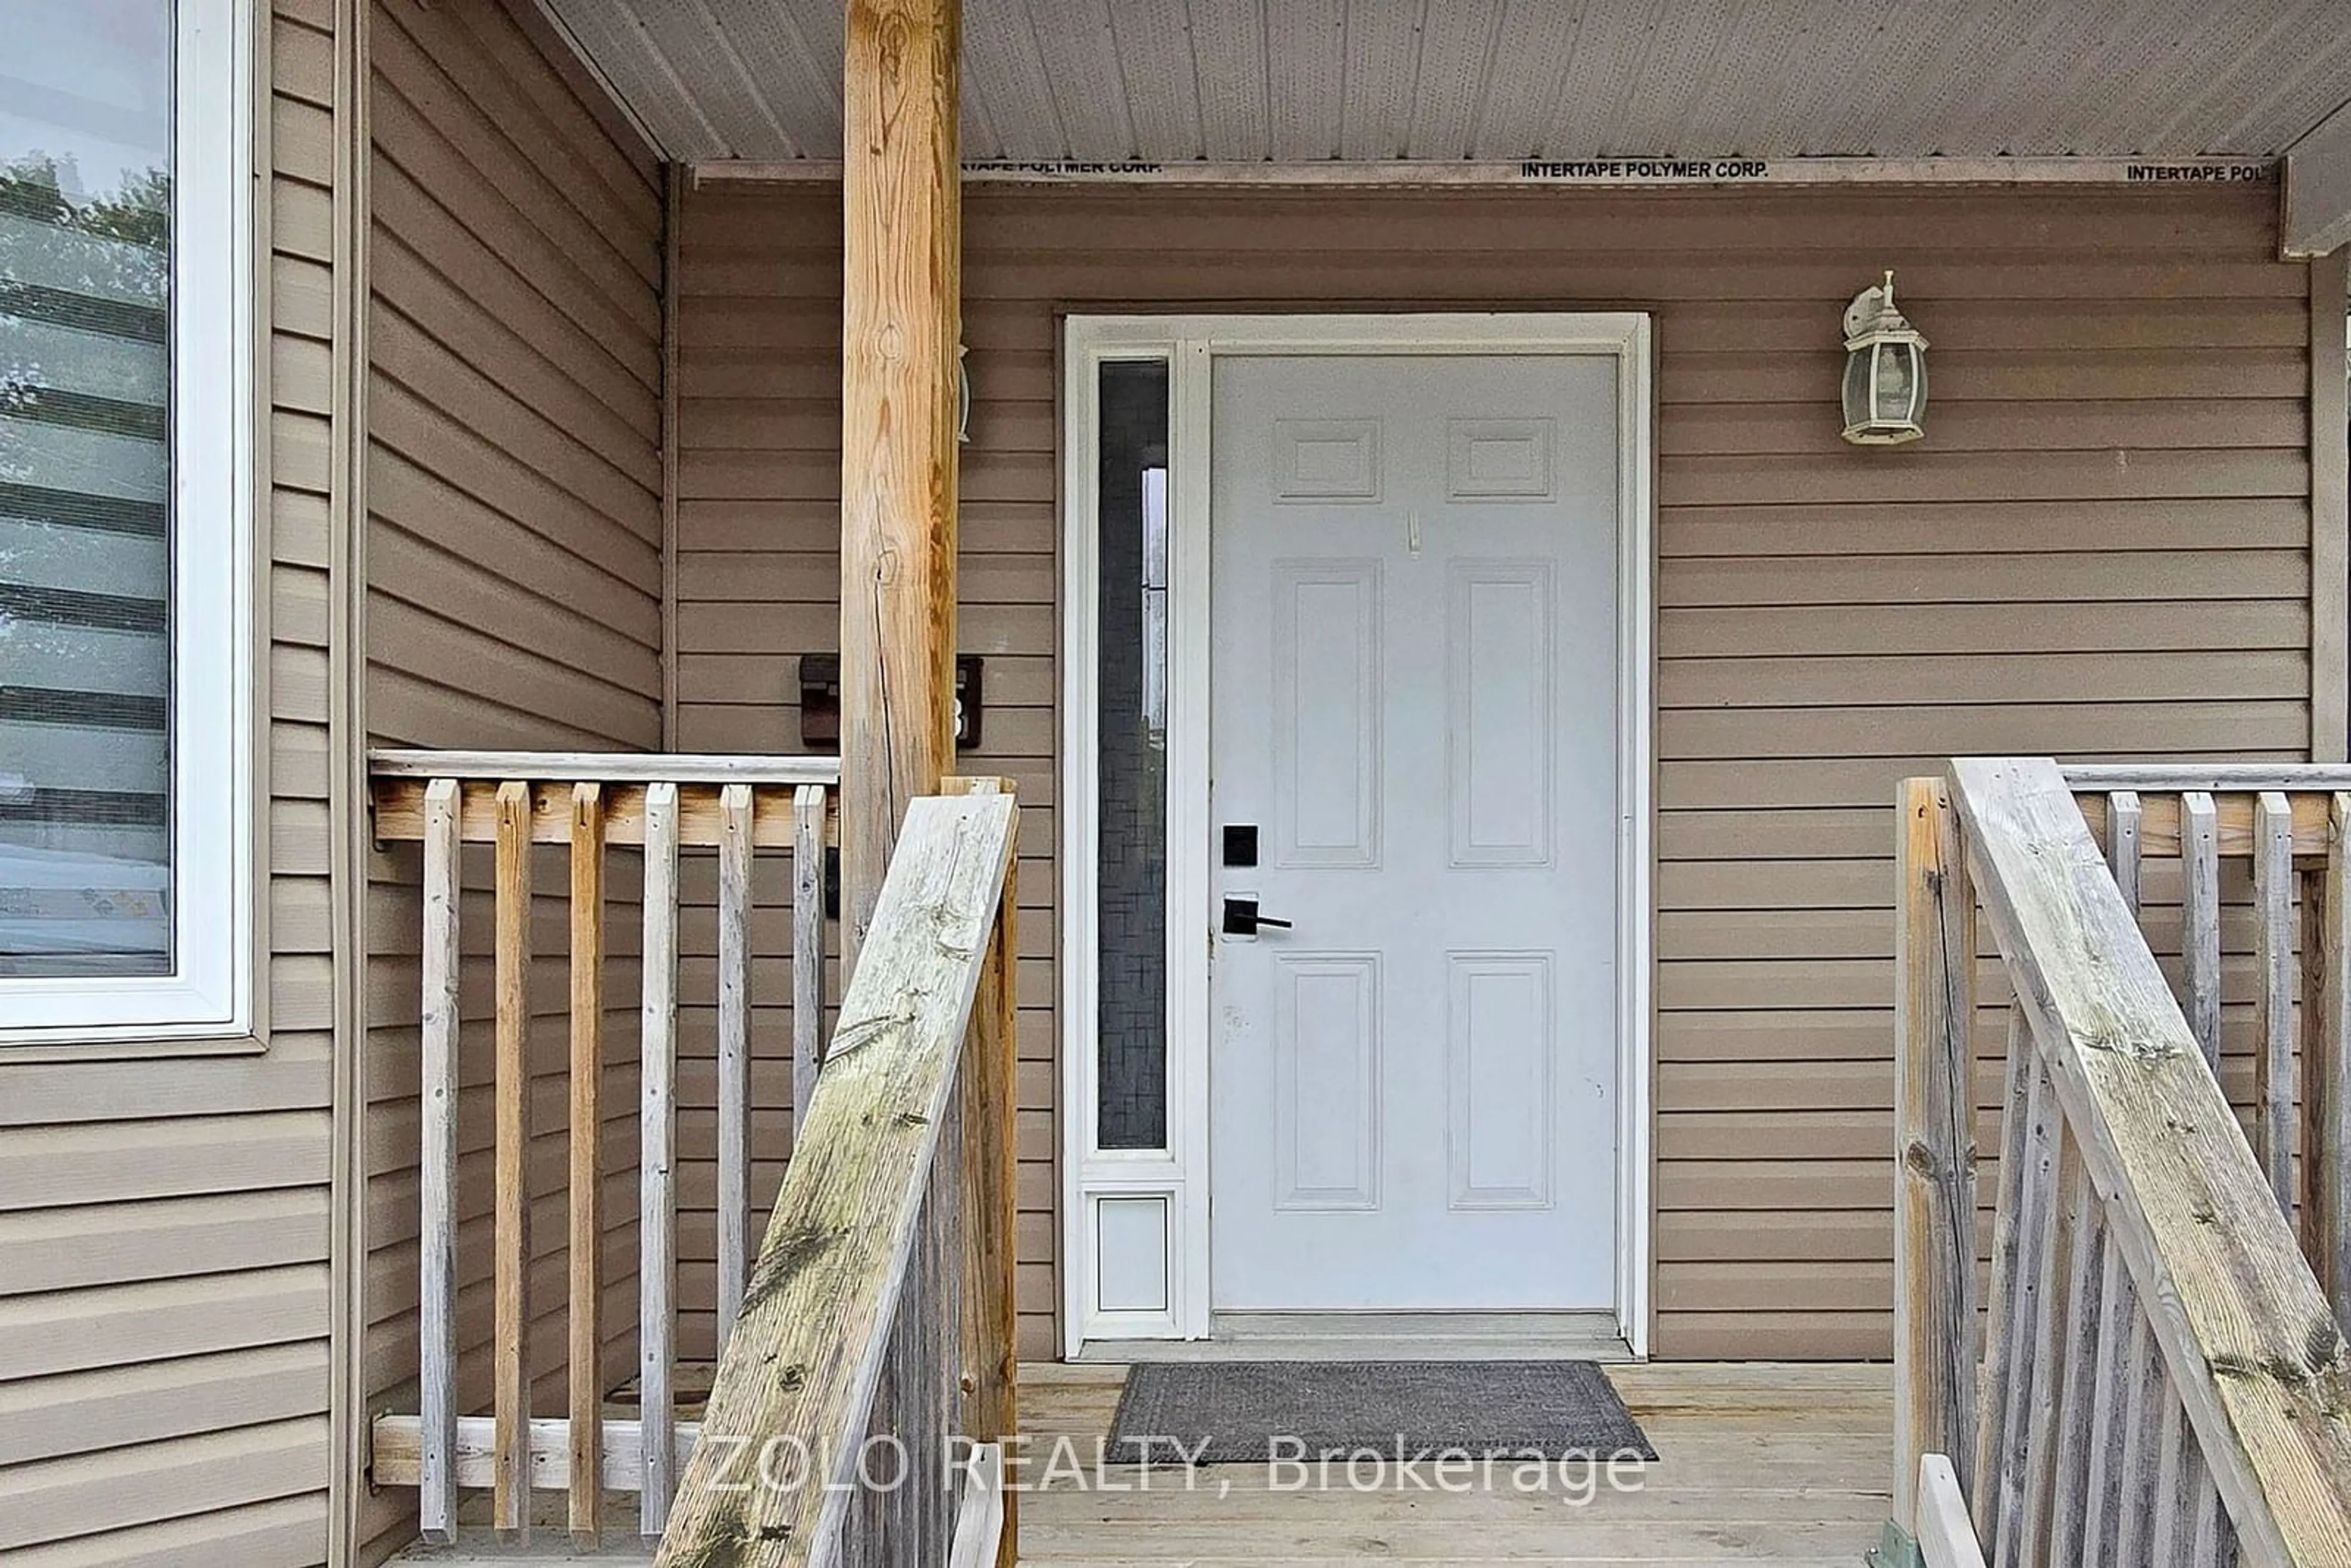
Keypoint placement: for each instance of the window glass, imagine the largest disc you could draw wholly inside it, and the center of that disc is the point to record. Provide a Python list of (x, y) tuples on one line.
[(86, 536), (1132, 986)]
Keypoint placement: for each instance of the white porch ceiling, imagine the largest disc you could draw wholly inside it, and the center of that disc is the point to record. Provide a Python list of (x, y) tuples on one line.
[(1303, 82)]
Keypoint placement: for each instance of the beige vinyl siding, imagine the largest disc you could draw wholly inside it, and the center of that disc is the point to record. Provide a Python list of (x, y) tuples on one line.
[(514, 552), (2101, 550), (163, 1221)]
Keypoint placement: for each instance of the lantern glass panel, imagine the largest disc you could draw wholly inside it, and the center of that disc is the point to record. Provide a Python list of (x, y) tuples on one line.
[(1894, 375), (1857, 387)]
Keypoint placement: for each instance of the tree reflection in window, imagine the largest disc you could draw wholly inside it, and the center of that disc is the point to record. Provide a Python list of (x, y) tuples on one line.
[(86, 545)]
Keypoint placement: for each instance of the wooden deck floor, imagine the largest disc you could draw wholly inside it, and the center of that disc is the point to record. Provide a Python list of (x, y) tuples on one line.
[(1771, 1464), (1780, 1465)]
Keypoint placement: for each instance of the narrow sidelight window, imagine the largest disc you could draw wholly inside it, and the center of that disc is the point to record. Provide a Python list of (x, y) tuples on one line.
[(1132, 684)]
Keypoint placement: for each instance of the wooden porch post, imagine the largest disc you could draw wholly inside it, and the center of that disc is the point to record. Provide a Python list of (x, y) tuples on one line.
[(902, 318), (1934, 1144)]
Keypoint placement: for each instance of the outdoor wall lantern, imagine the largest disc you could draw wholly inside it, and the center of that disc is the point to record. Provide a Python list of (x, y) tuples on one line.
[(1885, 371)]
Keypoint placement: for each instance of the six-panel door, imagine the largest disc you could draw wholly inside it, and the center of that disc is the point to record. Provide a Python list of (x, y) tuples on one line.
[(1414, 669)]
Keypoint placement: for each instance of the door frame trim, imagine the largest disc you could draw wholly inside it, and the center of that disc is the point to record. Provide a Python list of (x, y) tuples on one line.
[(1177, 1176)]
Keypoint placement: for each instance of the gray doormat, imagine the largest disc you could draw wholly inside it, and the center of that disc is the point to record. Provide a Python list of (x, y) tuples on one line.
[(1238, 1409)]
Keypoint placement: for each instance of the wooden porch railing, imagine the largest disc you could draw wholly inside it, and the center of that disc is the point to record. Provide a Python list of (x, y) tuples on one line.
[(2159, 1377), (737, 806), (859, 1407)]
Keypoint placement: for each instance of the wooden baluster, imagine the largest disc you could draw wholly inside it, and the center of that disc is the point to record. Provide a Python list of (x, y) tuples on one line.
[(2110, 1394), (2027, 1326), (436, 1503), (2124, 816), (2200, 870), (1934, 1132), (2205, 1538), (2146, 1400), (733, 1051), (510, 1374), (2006, 1277), (2311, 1075), (807, 947), (2044, 1451), (2310, 1132), (2174, 1523), (950, 1382), (2216, 1534), (586, 1431), (2273, 1003), (657, 1160), (2328, 1040), (2072, 1453)]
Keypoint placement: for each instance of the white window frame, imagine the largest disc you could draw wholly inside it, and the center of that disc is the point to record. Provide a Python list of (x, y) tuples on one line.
[(209, 994)]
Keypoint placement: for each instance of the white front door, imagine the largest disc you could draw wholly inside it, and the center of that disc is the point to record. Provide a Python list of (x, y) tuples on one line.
[(1414, 586)]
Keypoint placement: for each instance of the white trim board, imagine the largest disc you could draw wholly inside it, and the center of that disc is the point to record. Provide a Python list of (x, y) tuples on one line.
[(1178, 1174), (1380, 1336), (1721, 171)]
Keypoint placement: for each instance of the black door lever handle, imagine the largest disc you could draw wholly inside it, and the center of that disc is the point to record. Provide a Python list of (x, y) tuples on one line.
[(1241, 918)]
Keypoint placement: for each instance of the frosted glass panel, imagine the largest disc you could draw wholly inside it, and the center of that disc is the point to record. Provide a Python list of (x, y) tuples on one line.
[(1130, 1018)]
